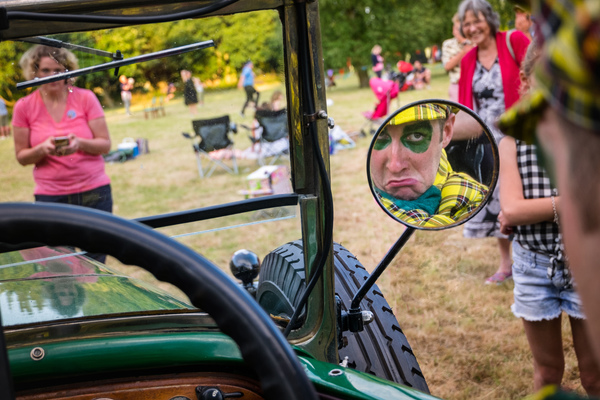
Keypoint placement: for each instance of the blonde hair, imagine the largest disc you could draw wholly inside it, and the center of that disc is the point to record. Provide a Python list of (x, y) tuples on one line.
[(30, 61)]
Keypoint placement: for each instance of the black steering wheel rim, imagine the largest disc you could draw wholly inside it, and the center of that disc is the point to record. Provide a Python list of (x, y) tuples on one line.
[(236, 314)]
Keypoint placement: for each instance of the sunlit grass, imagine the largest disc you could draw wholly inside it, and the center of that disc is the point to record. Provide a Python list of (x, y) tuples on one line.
[(467, 341)]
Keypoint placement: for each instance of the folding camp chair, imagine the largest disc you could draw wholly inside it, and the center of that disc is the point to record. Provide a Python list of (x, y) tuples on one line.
[(274, 142), (210, 136)]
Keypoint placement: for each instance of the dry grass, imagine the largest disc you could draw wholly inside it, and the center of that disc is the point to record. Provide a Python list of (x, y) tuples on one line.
[(467, 341)]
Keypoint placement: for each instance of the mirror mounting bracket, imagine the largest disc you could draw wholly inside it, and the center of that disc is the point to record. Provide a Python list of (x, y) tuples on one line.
[(308, 118)]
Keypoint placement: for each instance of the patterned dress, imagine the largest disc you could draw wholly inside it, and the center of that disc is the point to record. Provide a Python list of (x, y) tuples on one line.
[(488, 96)]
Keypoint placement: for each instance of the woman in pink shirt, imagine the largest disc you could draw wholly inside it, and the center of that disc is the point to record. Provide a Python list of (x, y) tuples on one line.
[(68, 170)]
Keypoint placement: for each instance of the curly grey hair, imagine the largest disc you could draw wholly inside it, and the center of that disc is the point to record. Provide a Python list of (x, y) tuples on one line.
[(479, 6)]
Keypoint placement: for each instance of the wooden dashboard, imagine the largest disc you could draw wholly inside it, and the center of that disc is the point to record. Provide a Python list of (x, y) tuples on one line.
[(166, 387)]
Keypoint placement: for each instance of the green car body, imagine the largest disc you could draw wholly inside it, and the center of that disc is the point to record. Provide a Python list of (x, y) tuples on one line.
[(140, 330)]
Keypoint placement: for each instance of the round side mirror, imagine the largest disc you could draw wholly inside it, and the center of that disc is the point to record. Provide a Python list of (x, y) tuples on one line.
[(433, 164)]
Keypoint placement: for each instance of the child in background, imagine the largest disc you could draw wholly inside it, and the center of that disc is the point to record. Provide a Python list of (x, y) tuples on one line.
[(543, 284), (277, 101)]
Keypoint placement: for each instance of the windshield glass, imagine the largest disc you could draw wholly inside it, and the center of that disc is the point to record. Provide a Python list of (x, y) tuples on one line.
[(187, 131)]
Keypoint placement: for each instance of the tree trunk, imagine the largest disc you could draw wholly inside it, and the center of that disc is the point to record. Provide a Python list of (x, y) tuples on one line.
[(108, 91), (363, 77)]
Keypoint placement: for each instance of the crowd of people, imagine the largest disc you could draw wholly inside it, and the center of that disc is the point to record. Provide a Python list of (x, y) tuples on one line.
[(537, 81)]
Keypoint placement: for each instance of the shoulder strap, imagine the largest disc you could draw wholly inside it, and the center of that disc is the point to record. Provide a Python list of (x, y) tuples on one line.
[(509, 45)]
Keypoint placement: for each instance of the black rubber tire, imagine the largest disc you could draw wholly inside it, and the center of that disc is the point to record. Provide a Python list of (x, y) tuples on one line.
[(381, 349)]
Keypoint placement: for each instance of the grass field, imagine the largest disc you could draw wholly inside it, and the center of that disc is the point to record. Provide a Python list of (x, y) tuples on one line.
[(463, 333)]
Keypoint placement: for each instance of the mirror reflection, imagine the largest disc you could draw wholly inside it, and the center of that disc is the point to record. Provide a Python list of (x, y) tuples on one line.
[(432, 164)]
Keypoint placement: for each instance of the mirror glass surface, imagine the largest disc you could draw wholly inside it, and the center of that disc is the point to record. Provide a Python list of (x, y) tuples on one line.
[(432, 164)]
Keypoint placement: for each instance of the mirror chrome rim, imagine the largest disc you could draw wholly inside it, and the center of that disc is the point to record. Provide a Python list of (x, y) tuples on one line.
[(496, 167)]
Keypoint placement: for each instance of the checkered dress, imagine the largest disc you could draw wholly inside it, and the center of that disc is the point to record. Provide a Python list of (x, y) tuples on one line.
[(541, 237)]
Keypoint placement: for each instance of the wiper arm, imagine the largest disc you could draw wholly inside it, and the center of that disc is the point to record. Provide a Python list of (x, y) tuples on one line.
[(60, 44), (116, 64)]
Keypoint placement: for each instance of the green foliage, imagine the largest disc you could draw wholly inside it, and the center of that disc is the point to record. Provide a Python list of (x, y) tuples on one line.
[(352, 27), (10, 53), (237, 38)]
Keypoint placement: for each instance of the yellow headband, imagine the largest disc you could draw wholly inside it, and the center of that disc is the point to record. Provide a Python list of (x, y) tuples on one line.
[(422, 112)]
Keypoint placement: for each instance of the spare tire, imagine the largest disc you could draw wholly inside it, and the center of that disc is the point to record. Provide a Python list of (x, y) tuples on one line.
[(381, 349)]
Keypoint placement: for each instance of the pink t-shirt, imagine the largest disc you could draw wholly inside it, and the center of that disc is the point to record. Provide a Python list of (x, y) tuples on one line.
[(78, 172)]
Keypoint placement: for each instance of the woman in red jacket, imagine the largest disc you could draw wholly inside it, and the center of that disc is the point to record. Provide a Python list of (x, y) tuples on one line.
[(489, 84)]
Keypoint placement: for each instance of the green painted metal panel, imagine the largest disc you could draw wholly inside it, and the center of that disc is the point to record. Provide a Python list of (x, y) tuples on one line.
[(68, 359), (65, 360)]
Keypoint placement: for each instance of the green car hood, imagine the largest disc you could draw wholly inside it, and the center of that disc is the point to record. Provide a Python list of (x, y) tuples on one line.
[(47, 284)]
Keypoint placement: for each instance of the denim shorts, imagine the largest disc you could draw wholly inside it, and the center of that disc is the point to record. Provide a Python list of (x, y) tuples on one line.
[(538, 297)]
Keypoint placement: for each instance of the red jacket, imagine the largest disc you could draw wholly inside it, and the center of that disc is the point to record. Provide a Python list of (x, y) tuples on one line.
[(509, 69)]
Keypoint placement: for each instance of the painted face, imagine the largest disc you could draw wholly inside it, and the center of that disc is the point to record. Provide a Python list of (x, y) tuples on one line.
[(406, 157), (475, 27), (48, 67)]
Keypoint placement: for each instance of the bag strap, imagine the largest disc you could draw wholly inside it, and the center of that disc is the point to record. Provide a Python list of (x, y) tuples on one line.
[(509, 46)]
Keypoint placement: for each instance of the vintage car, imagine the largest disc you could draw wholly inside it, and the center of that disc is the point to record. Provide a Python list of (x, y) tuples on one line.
[(313, 326)]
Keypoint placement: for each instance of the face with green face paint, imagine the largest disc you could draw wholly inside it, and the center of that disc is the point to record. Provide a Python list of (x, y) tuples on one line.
[(406, 157)]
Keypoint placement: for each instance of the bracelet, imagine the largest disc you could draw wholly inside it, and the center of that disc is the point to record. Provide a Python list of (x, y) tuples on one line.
[(554, 210)]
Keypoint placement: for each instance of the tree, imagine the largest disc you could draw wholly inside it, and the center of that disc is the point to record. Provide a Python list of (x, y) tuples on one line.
[(352, 27), (237, 38)]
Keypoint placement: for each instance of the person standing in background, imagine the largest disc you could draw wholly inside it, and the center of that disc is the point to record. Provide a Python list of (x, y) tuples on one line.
[(562, 115), (544, 288), (247, 83), (453, 50), (126, 86), (4, 120), (523, 22), (190, 95), (489, 84), (61, 129), (377, 60)]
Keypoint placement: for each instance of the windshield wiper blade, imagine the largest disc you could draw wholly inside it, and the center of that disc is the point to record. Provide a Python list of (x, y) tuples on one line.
[(60, 44), (116, 64)]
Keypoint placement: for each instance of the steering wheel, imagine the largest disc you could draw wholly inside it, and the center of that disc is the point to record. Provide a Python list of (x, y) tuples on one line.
[(236, 314)]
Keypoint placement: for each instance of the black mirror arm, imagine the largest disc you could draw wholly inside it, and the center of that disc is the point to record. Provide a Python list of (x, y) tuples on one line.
[(383, 264)]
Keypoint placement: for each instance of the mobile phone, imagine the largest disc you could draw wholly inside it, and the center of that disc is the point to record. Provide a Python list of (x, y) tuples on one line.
[(61, 141)]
